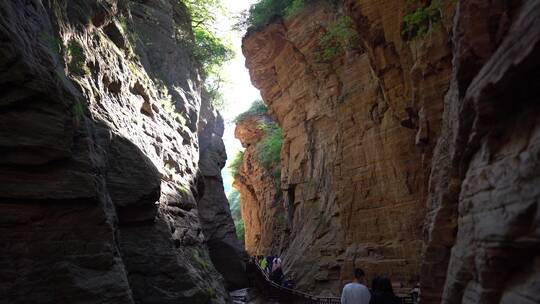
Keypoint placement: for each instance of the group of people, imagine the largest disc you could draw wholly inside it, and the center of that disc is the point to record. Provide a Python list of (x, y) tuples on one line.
[(357, 292), (272, 266)]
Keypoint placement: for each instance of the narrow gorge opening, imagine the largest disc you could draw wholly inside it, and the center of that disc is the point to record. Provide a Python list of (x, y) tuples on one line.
[(264, 151)]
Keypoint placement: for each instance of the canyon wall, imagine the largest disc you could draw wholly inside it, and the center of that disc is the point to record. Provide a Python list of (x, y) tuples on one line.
[(101, 194), (485, 181), (226, 252), (412, 154), (261, 204), (359, 132)]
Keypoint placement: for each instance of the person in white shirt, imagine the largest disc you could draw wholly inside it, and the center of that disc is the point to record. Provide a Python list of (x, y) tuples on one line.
[(356, 292)]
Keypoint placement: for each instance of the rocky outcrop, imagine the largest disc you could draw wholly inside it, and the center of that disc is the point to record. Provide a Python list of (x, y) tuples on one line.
[(226, 252), (99, 107), (359, 130), (261, 202), (486, 177), (402, 161)]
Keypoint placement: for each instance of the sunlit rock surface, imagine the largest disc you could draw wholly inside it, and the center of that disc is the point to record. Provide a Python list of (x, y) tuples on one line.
[(261, 202), (359, 131), (410, 156)]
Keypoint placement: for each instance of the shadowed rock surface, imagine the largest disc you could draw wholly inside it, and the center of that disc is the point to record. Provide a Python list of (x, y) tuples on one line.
[(485, 181), (226, 252), (99, 156)]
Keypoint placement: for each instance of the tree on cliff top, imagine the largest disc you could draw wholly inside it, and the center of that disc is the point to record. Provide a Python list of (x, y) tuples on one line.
[(209, 49), (266, 11), (257, 107)]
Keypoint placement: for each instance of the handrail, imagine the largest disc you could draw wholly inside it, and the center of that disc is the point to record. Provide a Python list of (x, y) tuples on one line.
[(285, 294), (288, 295)]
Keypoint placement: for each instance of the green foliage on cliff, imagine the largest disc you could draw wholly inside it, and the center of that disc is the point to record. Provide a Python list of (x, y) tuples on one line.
[(236, 163), (76, 59), (257, 108), (267, 11), (234, 204), (211, 50), (269, 149), (53, 43), (239, 227), (269, 153), (295, 7), (421, 21), (77, 111), (340, 36), (201, 259)]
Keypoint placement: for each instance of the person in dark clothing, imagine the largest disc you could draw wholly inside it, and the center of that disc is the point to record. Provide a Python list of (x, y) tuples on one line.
[(269, 260), (382, 292), (277, 276)]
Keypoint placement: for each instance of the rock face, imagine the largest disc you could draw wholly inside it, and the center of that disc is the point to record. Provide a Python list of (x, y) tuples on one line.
[(262, 208), (401, 156), (226, 252), (485, 181), (99, 156), (359, 131)]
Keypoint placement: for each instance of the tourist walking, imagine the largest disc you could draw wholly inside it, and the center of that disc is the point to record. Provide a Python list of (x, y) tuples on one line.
[(263, 263), (356, 292), (276, 263), (277, 275), (269, 260), (382, 292)]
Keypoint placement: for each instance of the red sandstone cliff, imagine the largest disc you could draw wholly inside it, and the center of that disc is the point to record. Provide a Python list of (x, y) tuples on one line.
[(359, 131), (262, 206), (362, 180)]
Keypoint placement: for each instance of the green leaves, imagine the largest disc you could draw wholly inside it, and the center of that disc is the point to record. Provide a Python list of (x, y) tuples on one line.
[(264, 11), (294, 8), (234, 203), (257, 107), (208, 48), (340, 37), (239, 227), (236, 163), (267, 11), (269, 149), (419, 22), (76, 59)]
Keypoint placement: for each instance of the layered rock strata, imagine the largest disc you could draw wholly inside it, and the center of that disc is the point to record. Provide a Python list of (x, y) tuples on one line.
[(359, 177), (359, 130), (99, 182), (261, 203), (485, 182)]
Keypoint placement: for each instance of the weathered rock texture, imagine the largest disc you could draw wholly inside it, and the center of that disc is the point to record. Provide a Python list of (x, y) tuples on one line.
[(359, 133), (225, 249), (485, 181), (99, 182), (261, 205)]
